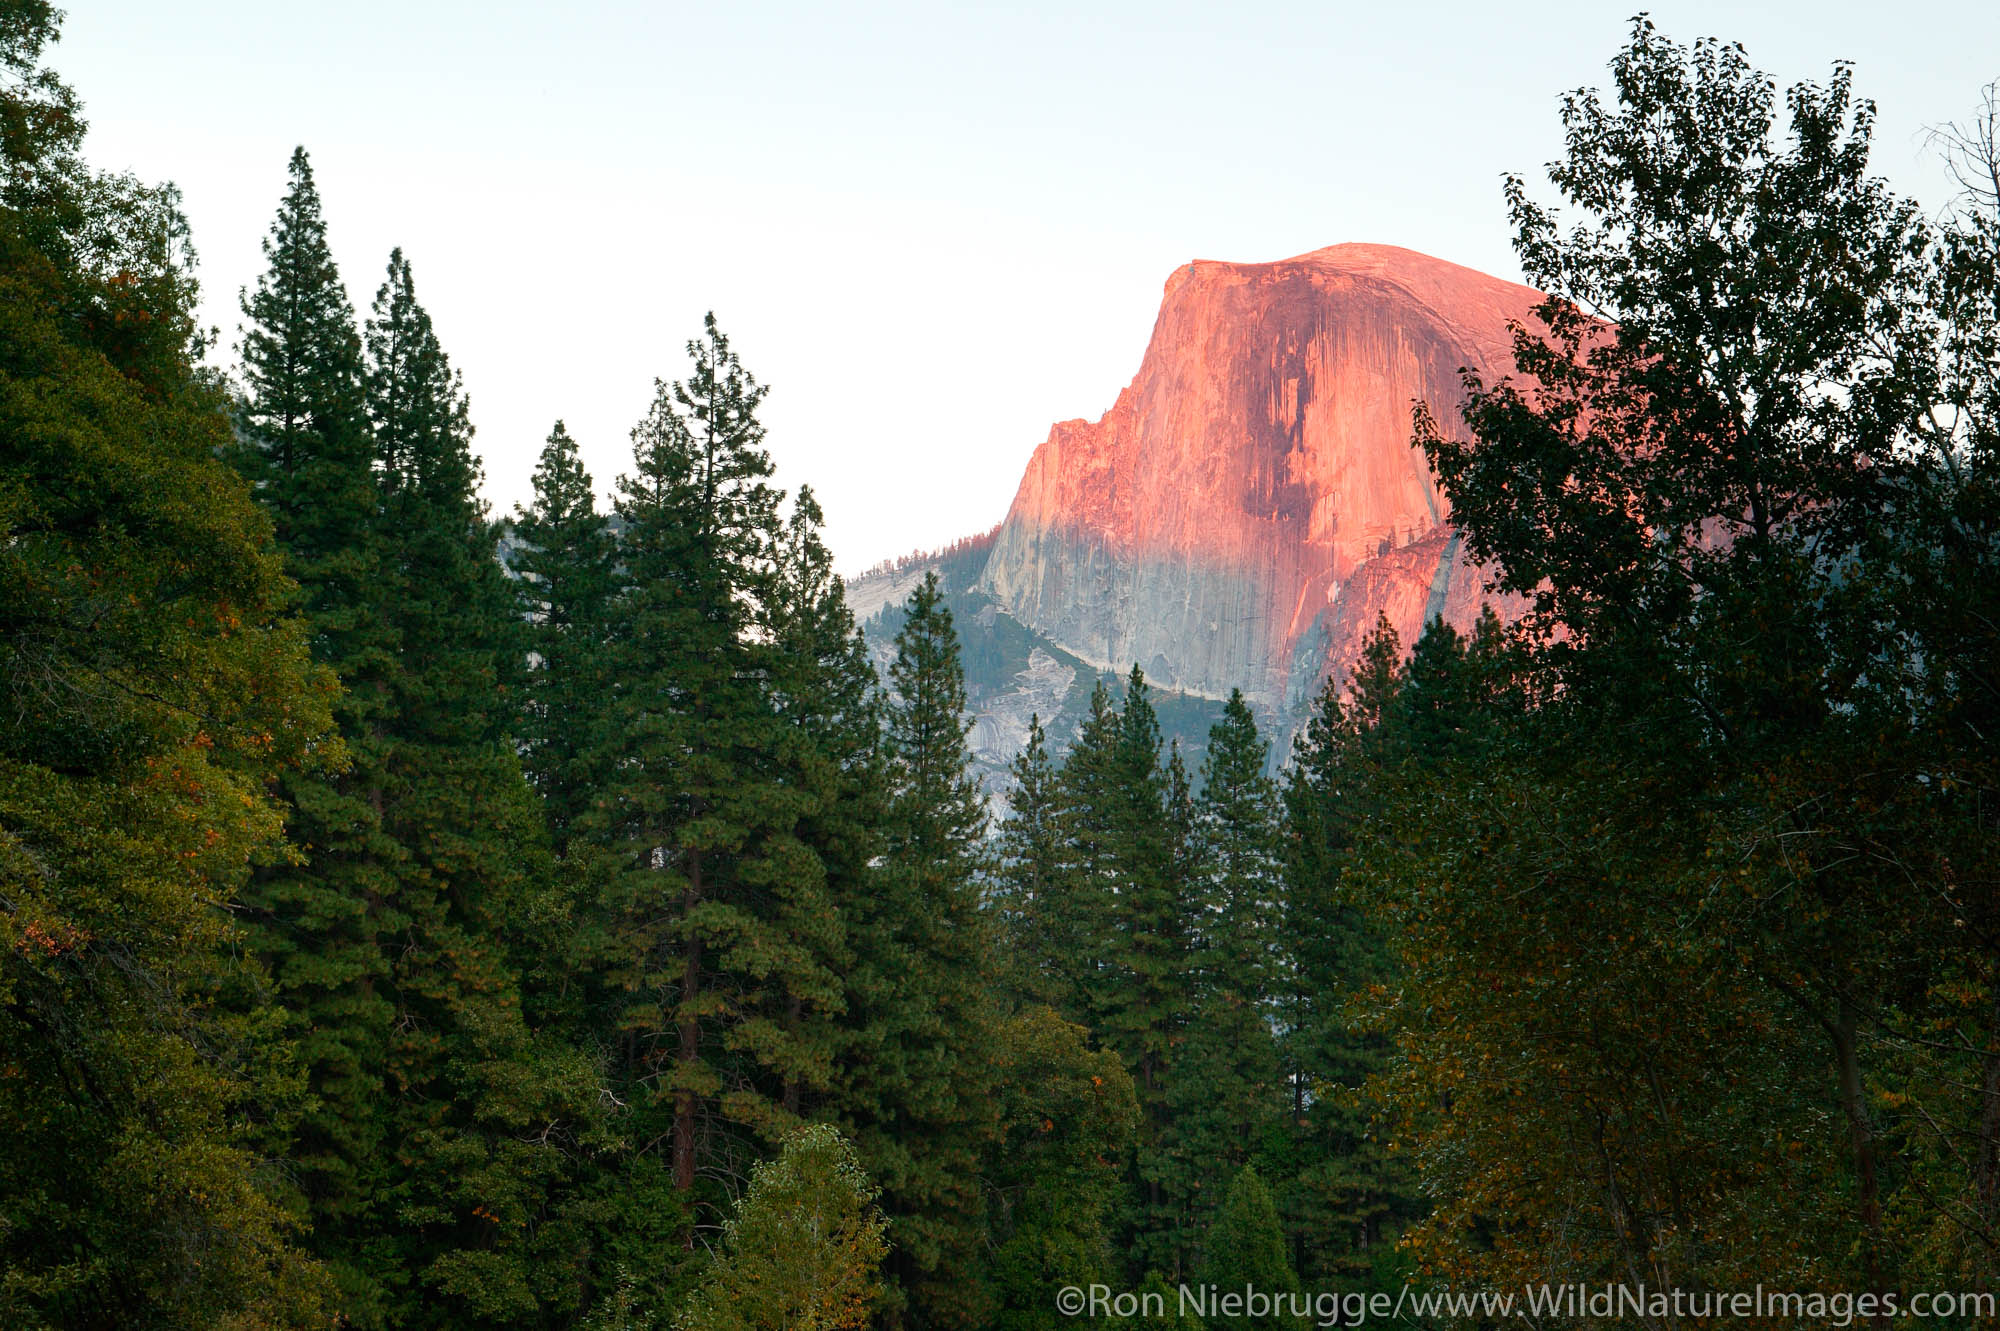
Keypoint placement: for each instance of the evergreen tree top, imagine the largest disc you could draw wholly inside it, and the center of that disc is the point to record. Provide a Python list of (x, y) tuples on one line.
[(700, 474), (928, 725), (300, 324), (564, 495), (417, 402), (1233, 768), (561, 533)]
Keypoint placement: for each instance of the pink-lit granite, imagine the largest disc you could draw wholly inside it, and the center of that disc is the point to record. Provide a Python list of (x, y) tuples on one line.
[(1252, 502)]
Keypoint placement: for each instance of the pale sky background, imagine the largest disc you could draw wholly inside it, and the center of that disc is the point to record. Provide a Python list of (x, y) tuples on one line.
[(932, 229)]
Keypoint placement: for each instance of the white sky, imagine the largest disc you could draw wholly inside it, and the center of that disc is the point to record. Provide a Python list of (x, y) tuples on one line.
[(932, 229)]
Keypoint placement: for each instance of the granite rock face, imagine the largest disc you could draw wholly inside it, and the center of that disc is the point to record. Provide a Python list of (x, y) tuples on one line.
[(1251, 503)]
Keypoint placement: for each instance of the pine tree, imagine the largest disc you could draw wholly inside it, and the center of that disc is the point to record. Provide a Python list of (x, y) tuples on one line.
[(1041, 951), (305, 447), (601, 1244), (824, 690), (566, 560), (1349, 1195), (1078, 913), (464, 1074), (304, 432), (1126, 844), (1226, 1092), (921, 1084), (1190, 1155), (1239, 817), (708, 872), (444, 594)]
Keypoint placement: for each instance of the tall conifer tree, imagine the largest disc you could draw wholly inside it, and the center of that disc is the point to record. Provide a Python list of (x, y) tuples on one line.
[(921, 1075), (1349, 1195), (304, 430), (823, 688), (708, 871), (305, 447), (1228, 1083), (567, 562), (1029, 899), (1123, 812), (464, 1075), (1239, 817)]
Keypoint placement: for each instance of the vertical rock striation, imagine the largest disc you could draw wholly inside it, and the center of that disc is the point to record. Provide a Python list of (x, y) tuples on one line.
[(1252, 503)]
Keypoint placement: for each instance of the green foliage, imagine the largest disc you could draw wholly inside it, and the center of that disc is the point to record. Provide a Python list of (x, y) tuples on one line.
[(305, 445), (802, 1250), (1245, 1251), (709, 938), (566, 559), (1652, 940), (469, 1185), (1067, 1119), (920, 1062), (391, 936), (1133, 921), (1344, 1195), (153, 687), (1729, 808), (1153, 914), (1228, 1087), (1156, 1294), (1029, 880), (316, 917), (824, 689)]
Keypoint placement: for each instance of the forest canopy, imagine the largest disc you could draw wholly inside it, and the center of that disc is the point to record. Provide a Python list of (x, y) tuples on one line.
[(420, 918)]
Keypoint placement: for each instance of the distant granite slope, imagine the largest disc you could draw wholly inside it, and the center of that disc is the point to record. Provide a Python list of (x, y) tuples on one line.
[(1012, 673), (1247, 510), (1252, 499)]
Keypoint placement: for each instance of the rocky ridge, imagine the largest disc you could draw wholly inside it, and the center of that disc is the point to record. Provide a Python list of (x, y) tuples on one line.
[(1250, 505)]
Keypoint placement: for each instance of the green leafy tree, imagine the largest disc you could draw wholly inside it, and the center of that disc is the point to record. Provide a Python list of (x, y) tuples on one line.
[(1556, 1084), (803, 1249), (1067, 1121), (1244, 1252), (1723, 480), (153, 686)]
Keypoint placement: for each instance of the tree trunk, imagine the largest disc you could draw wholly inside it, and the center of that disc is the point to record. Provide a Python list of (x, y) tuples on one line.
[(794, 1019), (688, 1056), (1861, 1135)]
